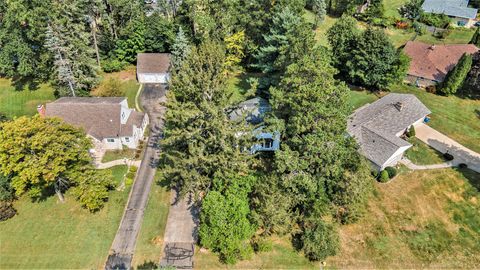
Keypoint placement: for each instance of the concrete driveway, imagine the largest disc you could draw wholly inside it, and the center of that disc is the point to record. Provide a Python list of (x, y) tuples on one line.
[(444, 144), (123, 247)]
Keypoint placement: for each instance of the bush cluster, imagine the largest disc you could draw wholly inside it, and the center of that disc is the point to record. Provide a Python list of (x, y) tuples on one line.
[(387, 174), (113, 65), (437, 20)]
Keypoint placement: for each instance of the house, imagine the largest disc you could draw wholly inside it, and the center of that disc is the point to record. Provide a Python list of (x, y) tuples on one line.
[(458, 10), (377, 127), (254, 110), (430, 63), (153, 68), (107, 120)]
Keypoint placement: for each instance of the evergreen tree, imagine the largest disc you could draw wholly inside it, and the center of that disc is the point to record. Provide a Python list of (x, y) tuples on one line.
[(159, 35), (471, 86), (412, 9), (180, 49), (68, 39), (455, 77), (319, 7), (287, 40), (200, 141), (476, 38)]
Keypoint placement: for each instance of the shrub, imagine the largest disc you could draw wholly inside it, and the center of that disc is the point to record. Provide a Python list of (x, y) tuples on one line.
[(261, 245), (112, 65), (419, 28), (130, 175), (128, 181), (448, 156), (431, 89), (6, 210), (109, 88), (137, 155), (411, 132), (375, 174), (133, 169), (462, 166), (384, 177), (437, 20), (392, 172), (320, 241)]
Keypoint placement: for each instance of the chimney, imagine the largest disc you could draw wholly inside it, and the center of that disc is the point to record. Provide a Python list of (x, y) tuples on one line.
[(41, 110), (398, 106)]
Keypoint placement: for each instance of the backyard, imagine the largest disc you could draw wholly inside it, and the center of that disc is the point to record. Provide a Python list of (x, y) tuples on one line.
[(49, 234)]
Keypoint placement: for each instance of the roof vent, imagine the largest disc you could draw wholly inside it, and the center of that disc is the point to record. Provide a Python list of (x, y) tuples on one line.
[(398, 106)]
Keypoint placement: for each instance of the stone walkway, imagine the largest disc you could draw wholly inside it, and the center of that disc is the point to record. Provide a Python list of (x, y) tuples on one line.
[(413, 166), (444, 144), (117, 162)]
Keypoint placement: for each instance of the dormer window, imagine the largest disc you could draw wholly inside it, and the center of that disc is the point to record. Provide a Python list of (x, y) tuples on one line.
[(123, 115)]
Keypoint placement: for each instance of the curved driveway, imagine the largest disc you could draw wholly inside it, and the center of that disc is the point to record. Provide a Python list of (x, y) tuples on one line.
[(123, 247)]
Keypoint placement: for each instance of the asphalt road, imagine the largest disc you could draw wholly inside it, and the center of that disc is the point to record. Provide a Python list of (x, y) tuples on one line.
[(123, 247)]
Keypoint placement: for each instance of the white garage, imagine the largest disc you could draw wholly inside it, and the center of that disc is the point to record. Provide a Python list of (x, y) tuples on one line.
[(153, 68)]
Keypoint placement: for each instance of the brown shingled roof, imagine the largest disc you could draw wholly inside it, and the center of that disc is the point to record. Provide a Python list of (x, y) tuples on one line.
[(153, 62), (433, 62), (99, 117)]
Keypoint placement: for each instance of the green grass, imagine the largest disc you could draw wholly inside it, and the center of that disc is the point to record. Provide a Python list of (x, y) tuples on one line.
[(111, 155), (360, 98), (422, 154), (453, 116), (50, 234), (282, 256), (150, 238), (457, 36), (238, 85), (423, 219), (20, 102), (391, 7)]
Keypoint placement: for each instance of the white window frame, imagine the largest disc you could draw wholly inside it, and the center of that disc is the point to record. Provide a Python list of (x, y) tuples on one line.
[(110, 140)]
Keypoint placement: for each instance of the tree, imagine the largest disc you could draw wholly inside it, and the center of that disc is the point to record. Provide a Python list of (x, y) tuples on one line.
[(319, 7), (43, 154), (111, 88), (224, 224), (412, 9), (68, 40), (288, 38), (476, 38), (365, 58), (91, 189), (235, 45), (159, 35), (320, 240), (180, 49), (131, 41), (6, 191), (455, 77), (200, 140), (471, 86)]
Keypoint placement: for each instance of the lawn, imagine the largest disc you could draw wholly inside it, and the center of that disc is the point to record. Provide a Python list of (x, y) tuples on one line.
[(50, 234), (360, 98), (282, 256), (422, 219), (462, 125), (238, 85), (422, 154), (150, 238), (18, 102), (392, 6), (111, 155), (457, 36), (128, 80)]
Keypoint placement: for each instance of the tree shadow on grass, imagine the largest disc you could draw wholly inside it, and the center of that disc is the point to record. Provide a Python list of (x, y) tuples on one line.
[(28, 83), (472, 177)]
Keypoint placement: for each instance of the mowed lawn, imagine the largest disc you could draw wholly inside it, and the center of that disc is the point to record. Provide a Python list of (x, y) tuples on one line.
[(453, 116), (50, 234), (422, 154), (20, 102), (421, 219)]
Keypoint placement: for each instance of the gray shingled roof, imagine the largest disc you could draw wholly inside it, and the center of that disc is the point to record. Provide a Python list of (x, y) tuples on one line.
[(375, 126), (454, 8), (153, 62), (99, 117), (253, 109)]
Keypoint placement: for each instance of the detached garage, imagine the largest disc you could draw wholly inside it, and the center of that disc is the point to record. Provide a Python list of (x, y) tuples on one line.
[(153, 68)]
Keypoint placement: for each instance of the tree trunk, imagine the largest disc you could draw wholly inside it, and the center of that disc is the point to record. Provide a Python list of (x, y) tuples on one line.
[(60, 195), (94, 34)]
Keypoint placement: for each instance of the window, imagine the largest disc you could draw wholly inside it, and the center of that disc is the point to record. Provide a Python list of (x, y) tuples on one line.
[(123, 115), (268, 143), (127, 139), (110, 140)]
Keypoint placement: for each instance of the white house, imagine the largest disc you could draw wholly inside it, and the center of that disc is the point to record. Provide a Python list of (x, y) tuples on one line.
[(153, 68), (377, 127), (107, 120), (458, 10)]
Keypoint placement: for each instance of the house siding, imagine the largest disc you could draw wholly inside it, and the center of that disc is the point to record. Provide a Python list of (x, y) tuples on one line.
[(161, 78), (419, 81)]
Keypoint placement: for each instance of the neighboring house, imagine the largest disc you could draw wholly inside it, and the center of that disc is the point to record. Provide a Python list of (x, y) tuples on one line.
[(458, 10), (153, 68), (430, 63), (107, 120), (253, 110), (377, 127)]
